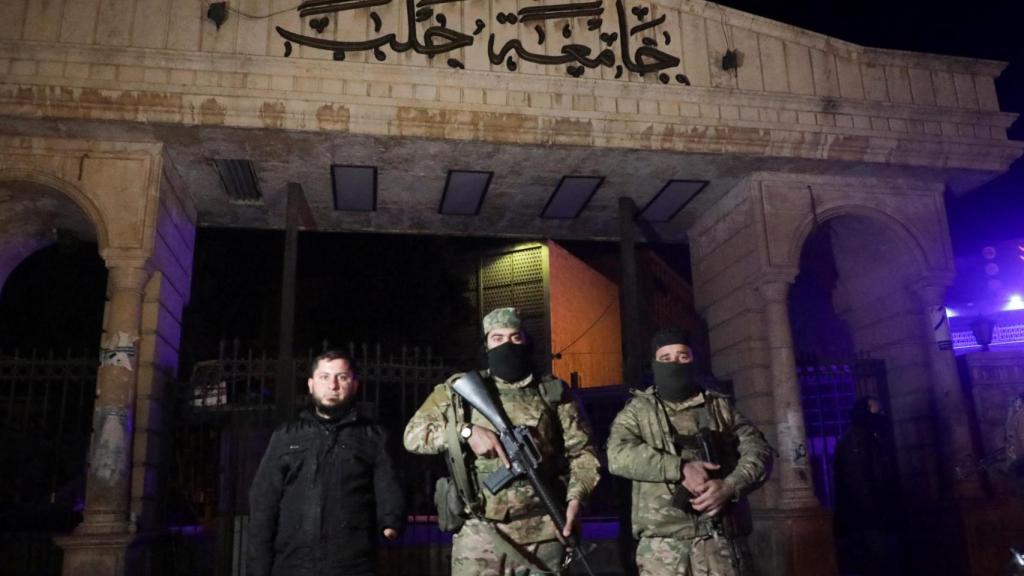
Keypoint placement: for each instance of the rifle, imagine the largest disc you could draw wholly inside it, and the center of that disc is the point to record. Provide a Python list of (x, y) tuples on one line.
[(712, 446), (523, 455), (716, 447)]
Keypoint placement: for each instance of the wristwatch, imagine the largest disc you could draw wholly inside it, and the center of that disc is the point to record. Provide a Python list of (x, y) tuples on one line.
[(466, 431)]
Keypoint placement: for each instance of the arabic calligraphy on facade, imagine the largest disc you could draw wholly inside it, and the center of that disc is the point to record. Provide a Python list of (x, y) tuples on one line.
[(635, 43)]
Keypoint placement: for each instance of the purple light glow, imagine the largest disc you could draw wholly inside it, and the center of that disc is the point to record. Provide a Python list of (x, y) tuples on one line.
[(1015, 303)]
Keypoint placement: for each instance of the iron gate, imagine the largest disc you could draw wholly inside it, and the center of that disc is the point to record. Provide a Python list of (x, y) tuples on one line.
[(46, 402), (828, 391), (225, 418)]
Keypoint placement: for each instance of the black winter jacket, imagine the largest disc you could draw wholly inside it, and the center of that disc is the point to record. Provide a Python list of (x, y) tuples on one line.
[(321, 495)]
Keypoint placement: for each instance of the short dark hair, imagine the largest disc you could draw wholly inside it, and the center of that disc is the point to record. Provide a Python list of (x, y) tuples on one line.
[(329, 355)]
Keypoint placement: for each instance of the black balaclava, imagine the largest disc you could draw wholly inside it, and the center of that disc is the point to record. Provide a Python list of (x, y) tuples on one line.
[(510, 361), (673, 381)]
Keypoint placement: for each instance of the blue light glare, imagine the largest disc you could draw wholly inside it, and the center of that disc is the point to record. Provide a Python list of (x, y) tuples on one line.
[(951, 313), (1015, 303)]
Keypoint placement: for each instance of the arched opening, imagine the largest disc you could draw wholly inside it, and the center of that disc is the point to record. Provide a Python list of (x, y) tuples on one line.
[(52, 297), (858, 332)]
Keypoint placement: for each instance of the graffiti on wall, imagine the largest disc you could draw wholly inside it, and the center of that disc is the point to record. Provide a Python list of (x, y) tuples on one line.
[(635, 45), (109, 458), (118, 349)]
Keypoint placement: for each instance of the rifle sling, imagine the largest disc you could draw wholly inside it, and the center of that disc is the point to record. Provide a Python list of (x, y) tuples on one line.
[(457, 459)]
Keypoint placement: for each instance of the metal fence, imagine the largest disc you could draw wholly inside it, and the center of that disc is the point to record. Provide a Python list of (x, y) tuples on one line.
[(225, 416), (222, 419), (828, 391), (46, 403)]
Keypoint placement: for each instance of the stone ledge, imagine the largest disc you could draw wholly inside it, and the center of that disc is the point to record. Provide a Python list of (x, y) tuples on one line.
[(520, 125), (239, 66)]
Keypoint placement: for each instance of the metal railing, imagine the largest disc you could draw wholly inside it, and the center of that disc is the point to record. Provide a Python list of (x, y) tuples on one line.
[(828, 390), (225, 415), (46, 403)]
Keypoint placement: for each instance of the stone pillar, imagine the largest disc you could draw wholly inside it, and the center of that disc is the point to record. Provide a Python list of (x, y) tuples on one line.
[(794, 536), (953, 429), (100, 544), (792, 466)]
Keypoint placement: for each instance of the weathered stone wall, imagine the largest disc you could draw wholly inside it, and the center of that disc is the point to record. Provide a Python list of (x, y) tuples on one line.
[(30, 216), (888, 237), (886, 320), (996, 378), (724, 252), (143, 221), (890, 243), (796, 93), (164, 299)]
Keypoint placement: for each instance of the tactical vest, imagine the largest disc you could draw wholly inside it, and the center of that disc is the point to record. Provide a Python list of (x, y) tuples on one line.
[(459, 497), (715, 423)]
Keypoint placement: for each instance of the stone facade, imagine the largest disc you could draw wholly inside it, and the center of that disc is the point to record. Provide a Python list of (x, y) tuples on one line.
[(145, 229), (796, 93), (995, 379), (798, 100)]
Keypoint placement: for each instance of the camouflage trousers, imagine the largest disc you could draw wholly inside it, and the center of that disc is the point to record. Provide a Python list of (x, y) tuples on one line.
[(701, 556), (475, 553)]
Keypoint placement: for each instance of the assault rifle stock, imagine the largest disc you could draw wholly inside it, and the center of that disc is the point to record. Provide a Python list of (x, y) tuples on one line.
[(523, 456)]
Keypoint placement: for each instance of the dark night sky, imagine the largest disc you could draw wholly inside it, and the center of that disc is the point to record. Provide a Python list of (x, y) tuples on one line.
[(241, 301)]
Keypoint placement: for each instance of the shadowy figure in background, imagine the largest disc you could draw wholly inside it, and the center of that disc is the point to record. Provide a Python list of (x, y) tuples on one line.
[(868, 508)]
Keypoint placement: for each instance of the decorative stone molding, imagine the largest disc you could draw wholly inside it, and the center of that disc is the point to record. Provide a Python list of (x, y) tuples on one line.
[(116, 184), (796, 94)]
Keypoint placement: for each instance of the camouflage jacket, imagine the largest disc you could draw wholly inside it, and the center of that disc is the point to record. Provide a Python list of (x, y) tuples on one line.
[(640, 448), (564, 440)]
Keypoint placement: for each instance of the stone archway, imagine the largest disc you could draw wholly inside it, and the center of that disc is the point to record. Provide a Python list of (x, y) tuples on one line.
[(746, 255), (52, 285), (143, 222), (32, 213), (878, 271)]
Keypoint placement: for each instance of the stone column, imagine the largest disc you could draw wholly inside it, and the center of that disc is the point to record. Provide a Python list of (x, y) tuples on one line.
[(792, 465), (100, 544), (953, 429)]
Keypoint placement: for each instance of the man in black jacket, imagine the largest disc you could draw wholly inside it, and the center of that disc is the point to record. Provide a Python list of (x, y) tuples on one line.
[(868, 508), (326, 486)]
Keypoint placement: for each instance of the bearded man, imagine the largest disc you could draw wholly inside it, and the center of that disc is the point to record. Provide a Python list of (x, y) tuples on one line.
[(326, 487)]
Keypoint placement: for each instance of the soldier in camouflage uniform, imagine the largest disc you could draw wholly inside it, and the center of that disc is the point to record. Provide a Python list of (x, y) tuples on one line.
[(509, 533), (649, 445)]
